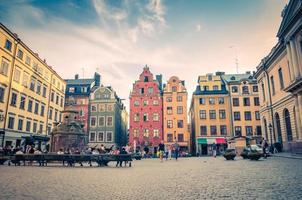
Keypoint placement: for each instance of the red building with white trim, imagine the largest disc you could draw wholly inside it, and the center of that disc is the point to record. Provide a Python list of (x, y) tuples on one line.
[(146, 123)]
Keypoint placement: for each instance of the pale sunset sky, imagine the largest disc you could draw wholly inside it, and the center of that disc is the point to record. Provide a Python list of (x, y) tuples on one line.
[(117, 38)]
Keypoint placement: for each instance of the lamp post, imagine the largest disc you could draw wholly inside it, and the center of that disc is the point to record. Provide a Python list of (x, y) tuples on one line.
[(271, 136)]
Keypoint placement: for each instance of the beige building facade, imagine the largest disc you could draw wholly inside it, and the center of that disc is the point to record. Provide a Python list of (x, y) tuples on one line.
[(279, 77), (31, 93)]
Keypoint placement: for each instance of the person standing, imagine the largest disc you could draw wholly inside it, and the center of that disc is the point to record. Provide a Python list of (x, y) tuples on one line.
[(176, 150), (264, 147), (214, 149), (166, 152), (161, 149)]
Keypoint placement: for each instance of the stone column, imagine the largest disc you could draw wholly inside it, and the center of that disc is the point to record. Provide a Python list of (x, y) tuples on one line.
[(291, 70), (294, 58)]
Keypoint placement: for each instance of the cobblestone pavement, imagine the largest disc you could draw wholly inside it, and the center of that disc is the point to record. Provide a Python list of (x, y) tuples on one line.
[(188, 178)]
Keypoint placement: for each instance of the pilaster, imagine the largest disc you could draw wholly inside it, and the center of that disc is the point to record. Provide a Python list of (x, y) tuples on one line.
[(294, 58)]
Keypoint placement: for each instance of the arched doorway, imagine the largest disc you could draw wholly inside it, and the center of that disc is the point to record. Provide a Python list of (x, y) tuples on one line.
[(278, 124), (265, 129), (288, 126)]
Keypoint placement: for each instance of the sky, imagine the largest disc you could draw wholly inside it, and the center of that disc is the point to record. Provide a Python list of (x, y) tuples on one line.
[(117, 38)]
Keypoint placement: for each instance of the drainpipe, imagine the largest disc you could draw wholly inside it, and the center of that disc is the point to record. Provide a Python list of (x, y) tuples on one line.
[(16, 41)]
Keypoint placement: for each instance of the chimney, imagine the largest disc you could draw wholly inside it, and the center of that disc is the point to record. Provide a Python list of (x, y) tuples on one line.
[(159, 79), (97, 79), (183, 83), (76, 76), (248, 72)]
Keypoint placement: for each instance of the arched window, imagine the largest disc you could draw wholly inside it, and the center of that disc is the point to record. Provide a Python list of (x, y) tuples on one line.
[(288, 126), (278, 124)]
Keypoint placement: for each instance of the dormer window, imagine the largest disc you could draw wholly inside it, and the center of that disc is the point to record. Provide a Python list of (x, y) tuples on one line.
[(233, 78), (210, 77), (146, 79)]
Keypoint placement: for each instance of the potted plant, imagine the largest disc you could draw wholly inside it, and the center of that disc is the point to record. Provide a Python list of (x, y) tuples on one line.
[(229, 154)]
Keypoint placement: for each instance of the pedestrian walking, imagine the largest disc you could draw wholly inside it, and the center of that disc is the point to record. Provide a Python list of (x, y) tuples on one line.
[(176, 150), (214, 149), (166, 152), (161, 149), (264, 148)]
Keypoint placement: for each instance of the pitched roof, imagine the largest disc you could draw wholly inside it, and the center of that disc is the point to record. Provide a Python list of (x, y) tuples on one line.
[(232, 78), (79, 81)]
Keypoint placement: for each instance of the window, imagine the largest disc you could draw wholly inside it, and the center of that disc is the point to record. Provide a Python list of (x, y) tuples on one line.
[(180, 123), (36, 111), (234, 89), (221, 100), (169, 124), (223, 129), (32, 84), (236, 102), (249, 130), (56, 115), (145, 117), (42, 110), (222, 114), (245, 89), (20, 124), (136, 117), (155, 102), (57, 99), (273, 85), (101, 121), (109, 120), (179, 98), (38, 87), (155, 117), (263, 92), (202, 114), (28, 124), (30, 105), (203, 130), (145, 102), (205, 88), (20, 54), (135, 133), (256, 101), (213, 130), (101, 107), (93, 108), (52, 97), (246, 101), (8, 45), (150, 90), (92, 137), (212, 114), (83, 89), (146, 132), (35, 127), (27, 60), (142, 90), (93, 121), (247, 116), (100, 136), (257, 115), (13, 101), (210, 77), (202, 101), (50, 113), (255, 88), (4, 67), (146, 79), (22, 102), (258, 130), (17, 75), (174, 89), (237, 130), (169, 110), (237, 116), (136, 103), (11, 122), (48, 129), (110, 108), (2, 93), (215, 87), (41, 128), (281, 78), (180, 137), (25, 79), (179, 110), (169, 99), (169, 137), (62, 100), (71, 90), (155, 133), (211, 101)]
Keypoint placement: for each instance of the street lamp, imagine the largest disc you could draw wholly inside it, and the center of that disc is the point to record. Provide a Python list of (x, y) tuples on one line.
[(271, 136)]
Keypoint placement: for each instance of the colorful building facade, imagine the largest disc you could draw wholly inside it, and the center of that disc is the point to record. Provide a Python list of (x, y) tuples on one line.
[(77, 96), (108, 123), (175, 124), (146, 117), (31, 93), (279, 77)]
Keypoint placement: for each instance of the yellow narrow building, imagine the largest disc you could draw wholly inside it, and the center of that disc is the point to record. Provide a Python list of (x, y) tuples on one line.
[(31, 93), (175, 114)]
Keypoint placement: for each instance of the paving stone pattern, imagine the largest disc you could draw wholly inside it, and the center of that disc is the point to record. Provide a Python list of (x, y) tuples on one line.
[(188, 178)]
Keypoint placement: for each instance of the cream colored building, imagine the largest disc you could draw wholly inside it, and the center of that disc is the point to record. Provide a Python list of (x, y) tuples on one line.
[(175, 113), (31, 92), (279, 77)]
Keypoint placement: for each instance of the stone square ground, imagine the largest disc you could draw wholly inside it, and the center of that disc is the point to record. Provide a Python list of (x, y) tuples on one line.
[(188, 178)]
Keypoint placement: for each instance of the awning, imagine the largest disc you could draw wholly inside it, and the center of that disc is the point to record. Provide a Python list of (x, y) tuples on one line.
[(202, 140), (220, 141), (211, 140)]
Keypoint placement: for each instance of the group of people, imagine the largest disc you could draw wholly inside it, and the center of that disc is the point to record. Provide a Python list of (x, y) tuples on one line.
[(166, 151)]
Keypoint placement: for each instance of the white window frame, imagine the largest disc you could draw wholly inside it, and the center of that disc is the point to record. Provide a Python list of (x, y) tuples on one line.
[(93, 117), (107, 136), (90, 136)]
